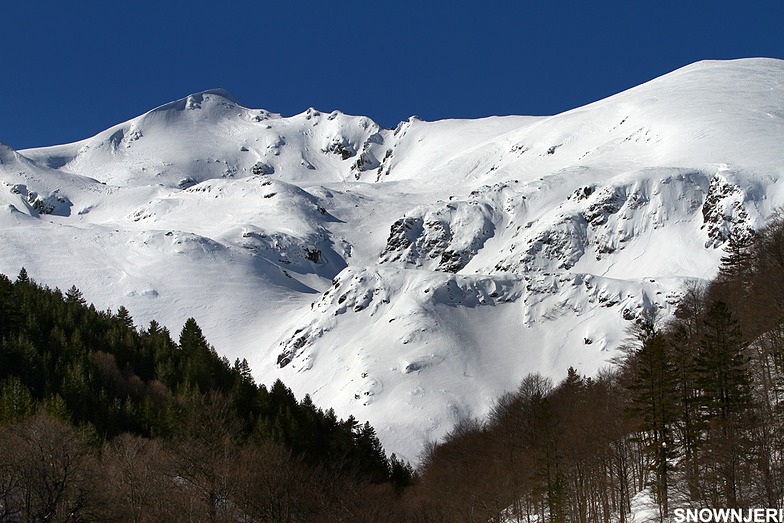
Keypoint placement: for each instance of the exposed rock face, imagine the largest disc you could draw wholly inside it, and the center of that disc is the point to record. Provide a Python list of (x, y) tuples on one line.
[(723, 213), (442, 238)]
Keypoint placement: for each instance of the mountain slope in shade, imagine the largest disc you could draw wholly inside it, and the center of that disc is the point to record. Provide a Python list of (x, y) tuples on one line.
[(407, 276)]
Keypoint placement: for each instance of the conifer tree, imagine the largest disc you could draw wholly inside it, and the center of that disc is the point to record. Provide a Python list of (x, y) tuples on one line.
[(125, 317), (243, 370), (370, 455), (723, 378), (401, 474), (196, 354), (725, 384), (655, 398), (164, 354), (10, 315), (74, 296), (23, 276), (738, 262)]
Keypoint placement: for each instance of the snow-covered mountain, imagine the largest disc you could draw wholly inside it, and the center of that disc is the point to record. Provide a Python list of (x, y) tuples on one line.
[(406, 276)]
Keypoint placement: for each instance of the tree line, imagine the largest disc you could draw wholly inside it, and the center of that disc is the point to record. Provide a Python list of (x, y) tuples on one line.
[(102, 421)]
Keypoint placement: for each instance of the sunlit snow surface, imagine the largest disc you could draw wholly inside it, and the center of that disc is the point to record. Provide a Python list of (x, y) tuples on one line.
[(405, 276)]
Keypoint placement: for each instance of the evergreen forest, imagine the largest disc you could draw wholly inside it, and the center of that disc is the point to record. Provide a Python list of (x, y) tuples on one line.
[(101, 421)]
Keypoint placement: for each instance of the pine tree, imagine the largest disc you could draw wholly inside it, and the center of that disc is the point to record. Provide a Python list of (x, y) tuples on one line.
[(164, 354), (125, 317), (197, 357), (655, 398), (401, 474), (23, 276), (574, 382), (370, 457), (683, 348), (74, 296), (243, 371), (724, 377), (738, 262), (725, 392), (10, 313)]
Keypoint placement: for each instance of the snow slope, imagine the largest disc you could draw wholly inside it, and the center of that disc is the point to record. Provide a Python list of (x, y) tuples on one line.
[(405, 276)]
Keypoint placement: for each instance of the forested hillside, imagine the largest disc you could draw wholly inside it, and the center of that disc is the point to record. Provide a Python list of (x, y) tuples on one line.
[(102, 421)]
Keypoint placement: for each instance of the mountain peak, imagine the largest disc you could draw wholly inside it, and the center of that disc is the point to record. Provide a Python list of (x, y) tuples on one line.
[(211, 97), (218, 91)]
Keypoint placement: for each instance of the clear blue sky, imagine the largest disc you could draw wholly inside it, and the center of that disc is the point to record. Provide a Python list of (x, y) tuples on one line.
[(73, 68)]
